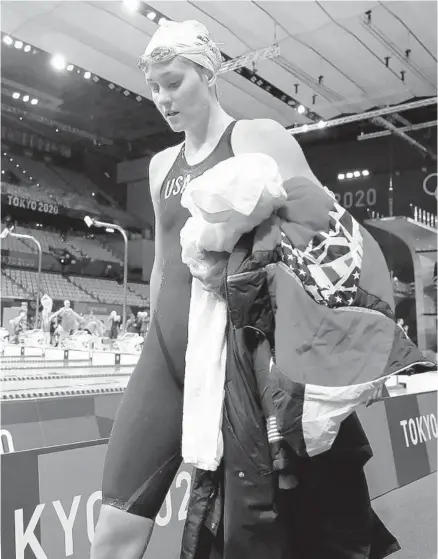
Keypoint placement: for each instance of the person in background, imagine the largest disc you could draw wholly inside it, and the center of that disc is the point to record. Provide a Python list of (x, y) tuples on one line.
[(47, 304), (113, 326), (144, 323), (131, 325), (69, 320), (19, 325)]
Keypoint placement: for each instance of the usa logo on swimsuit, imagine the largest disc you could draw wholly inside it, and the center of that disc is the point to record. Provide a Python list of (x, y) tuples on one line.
[(176, 185)]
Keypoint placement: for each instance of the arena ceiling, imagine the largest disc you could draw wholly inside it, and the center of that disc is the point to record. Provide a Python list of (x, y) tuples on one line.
[(335, 58)]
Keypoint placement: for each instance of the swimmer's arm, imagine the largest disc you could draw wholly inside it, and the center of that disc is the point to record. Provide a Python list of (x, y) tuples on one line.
[(158, 168), (157, 268), (269, 137)]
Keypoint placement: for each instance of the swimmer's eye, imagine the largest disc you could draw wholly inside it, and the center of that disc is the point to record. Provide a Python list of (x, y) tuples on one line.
[(175, 85)]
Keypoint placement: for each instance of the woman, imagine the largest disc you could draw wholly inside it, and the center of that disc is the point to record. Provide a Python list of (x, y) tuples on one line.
[(180, 64)]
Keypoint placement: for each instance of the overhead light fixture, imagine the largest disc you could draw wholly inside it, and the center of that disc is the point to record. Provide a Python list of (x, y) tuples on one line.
[(18, 44), (87, 75), (110, 230), (88, 220), (16, 95), (139, 98), (349, 175), (26, 98), (321, 124), (162, 21), (3, 171), (365, 173), (57, 130), (305, 127), (93, 194), (151, 15), (341, 176), (356, 174), (301, 109), (111, 86), (34, 101), (17, 165), (58, 62), (126, 93), (95, 79), (27, 48), (21, 118), (70, 68), (132, 5), (8, 40)]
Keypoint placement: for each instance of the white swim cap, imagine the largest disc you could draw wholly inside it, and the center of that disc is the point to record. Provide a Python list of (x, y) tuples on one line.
[(189, 39)]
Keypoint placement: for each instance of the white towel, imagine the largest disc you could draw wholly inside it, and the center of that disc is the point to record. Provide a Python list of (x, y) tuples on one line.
[(226, 201), (204, 379)]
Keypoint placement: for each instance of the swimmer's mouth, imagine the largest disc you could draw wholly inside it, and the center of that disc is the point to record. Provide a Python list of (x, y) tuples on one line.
[(171, 113)]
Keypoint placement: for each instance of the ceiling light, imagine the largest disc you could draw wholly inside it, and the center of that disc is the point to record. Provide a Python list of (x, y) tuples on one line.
[(365, 173), (132, 5), (111, 86), (70, 68), (321, 124), (21, 118), (305, 127), (95, 79), (349, 175), (301, 109), (17, 165), (26, 98), (87, 75), (58, 62), (57, 130), (162, 21), (16, 95), (18, 44), (126, 93), (34, 102), (93, 194), (139, 98), (24, 171), (7, 40), (3, 171), (356, 174), (341, 176), (151, 15), (27, 48)]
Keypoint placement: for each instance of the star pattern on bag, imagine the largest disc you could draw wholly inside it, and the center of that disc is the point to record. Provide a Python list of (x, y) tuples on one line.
[(329, 267)]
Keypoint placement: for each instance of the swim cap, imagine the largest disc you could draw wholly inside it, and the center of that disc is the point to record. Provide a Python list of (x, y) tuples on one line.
[(189, 39)]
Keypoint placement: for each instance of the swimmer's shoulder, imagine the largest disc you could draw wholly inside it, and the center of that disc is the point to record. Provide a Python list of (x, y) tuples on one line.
[(260, 132), (160, 165), (264, 135)]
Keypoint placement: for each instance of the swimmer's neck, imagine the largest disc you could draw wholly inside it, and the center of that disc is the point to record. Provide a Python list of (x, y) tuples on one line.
[(207, 130)]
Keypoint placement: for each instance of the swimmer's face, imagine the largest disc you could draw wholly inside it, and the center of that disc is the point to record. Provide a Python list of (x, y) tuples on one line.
[(180, 92)]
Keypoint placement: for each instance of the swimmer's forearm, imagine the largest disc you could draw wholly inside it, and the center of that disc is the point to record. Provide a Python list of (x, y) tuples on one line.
[(154, 287)]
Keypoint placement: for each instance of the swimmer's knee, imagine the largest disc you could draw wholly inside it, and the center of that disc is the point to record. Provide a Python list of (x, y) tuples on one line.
[(120, 535)]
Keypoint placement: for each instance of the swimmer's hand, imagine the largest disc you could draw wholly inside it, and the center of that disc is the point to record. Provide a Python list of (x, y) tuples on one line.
[(377, 395), (211, 269)]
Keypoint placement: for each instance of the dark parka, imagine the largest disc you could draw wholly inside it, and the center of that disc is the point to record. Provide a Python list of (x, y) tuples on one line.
[(267, 502)]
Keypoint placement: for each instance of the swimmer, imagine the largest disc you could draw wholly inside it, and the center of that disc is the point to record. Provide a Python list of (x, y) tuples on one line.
[(180, 64)]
